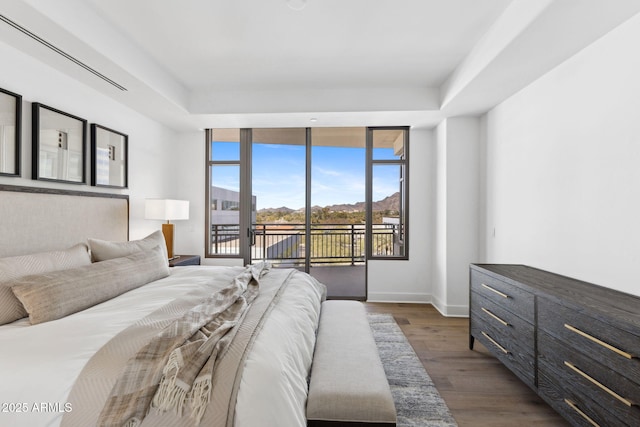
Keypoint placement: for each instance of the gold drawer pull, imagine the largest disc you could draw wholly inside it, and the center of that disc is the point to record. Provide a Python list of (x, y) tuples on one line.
[(597, 383), (495, 317), (503, 295), (582, 414), (504, 350), (597, 341)]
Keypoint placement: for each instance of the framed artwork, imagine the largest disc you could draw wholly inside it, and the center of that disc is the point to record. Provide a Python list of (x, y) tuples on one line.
[(109, 157), (59, 144), (10, 133)]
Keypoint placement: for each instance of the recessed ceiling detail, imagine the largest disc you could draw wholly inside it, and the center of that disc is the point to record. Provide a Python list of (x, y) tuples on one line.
[(358, 63)]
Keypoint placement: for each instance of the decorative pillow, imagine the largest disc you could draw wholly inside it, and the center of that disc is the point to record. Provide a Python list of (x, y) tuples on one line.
[(14, 267), (57, 294), (102, 250)]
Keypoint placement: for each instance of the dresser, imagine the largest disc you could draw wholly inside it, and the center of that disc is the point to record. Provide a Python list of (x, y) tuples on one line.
[(575, 343)]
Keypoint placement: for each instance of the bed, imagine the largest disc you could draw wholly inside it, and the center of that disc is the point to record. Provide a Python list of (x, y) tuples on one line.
[(93, 304), (96, 329)]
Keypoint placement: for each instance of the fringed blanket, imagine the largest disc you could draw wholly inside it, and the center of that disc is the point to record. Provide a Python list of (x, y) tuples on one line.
[(169, 380)]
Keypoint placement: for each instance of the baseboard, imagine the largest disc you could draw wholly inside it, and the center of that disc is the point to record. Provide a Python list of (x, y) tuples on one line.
[(413, 298), (419, 298), (450, 310)]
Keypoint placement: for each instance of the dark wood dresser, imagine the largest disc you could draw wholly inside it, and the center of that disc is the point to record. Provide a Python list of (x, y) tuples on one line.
[(575, 343)]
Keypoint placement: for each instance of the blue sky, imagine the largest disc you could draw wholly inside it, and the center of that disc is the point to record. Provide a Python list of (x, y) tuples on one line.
[(338, 175)]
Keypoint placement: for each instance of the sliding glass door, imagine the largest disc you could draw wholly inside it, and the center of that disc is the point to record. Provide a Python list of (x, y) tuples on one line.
[(337, 224), (308, 189)]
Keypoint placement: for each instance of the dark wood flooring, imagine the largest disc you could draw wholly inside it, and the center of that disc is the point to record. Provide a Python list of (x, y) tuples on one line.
[(478, 389)]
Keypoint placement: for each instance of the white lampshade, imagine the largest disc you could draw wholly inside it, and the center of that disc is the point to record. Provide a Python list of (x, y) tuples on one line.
[(166, 209)]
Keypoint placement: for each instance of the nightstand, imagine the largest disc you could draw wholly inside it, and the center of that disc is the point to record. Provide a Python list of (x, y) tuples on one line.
[(182, 260)]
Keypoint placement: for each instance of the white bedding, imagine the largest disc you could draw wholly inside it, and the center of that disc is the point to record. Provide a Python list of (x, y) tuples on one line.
[(39, 364)]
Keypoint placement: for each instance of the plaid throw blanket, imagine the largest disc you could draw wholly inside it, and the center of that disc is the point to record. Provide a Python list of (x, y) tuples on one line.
[(176, 367)]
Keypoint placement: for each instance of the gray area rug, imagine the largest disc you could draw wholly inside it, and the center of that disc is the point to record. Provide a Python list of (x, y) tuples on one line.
[(418, 403)]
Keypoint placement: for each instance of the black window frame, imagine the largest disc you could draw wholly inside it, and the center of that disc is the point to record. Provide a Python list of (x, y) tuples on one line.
[(403, 162)]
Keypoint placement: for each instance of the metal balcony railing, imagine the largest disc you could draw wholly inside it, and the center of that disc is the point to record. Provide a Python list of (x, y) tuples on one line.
[(287, 243)]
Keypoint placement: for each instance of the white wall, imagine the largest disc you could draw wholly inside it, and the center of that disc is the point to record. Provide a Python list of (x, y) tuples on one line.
[(189, 159), (149, 167), (562, 172), (456, 206), (439, 209)]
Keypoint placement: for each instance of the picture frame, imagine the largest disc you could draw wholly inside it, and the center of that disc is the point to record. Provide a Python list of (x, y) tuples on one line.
[(10, 133), (59, 143), (109, 157)]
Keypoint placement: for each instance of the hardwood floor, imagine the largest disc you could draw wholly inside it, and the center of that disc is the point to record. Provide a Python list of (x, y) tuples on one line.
[(478, 389)]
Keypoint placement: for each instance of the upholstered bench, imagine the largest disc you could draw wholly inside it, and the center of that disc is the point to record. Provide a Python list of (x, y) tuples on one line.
[(348, 385)]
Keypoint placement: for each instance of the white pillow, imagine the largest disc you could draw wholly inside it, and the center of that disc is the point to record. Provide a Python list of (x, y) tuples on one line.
[(12, 268), (102, 250)]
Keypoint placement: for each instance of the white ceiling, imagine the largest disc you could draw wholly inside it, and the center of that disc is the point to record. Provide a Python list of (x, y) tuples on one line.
[(225, 63), (328, 44)]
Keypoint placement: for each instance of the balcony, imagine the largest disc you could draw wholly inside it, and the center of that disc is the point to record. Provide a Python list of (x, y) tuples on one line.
[(286, 244)]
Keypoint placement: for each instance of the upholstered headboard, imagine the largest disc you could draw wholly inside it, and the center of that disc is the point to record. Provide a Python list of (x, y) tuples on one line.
[(37, 219)]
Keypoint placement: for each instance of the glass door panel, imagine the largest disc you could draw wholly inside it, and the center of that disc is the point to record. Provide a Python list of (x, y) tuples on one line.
[(278, 180), (337, 220)]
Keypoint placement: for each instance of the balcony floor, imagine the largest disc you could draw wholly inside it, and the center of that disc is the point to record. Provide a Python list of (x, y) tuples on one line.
[(342, 281)]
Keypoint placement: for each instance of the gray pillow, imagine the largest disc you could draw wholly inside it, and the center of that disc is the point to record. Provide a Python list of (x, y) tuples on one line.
[(57, 294), (102, 250), (11, 268)]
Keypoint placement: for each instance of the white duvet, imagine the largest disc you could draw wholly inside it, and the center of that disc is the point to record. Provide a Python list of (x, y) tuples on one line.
[(39, 364)]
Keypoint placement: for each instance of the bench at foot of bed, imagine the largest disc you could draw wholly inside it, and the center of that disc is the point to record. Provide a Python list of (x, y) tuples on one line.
[(348, 385)]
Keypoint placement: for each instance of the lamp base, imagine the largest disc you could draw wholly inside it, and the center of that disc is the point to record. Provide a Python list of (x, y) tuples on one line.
[(169, 233)]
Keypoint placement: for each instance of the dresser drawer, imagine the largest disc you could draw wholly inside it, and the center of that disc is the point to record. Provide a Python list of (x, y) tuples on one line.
[(595, 382), (516, 300), (520, 361), (510, 326), (602, 342), (573, 405)]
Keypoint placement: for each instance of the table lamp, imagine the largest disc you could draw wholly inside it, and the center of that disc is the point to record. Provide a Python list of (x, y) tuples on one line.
[(167, 210)]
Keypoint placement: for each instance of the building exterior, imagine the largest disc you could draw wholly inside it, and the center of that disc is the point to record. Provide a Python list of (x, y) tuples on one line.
[(225, 206)]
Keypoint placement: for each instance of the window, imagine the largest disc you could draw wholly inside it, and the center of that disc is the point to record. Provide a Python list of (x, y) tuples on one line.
[(289, 179), (223, 192), (387, 167), (230, 205)]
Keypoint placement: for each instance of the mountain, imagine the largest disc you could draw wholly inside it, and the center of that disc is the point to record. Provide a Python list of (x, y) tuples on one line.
[(388, 203), (283, 210)]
